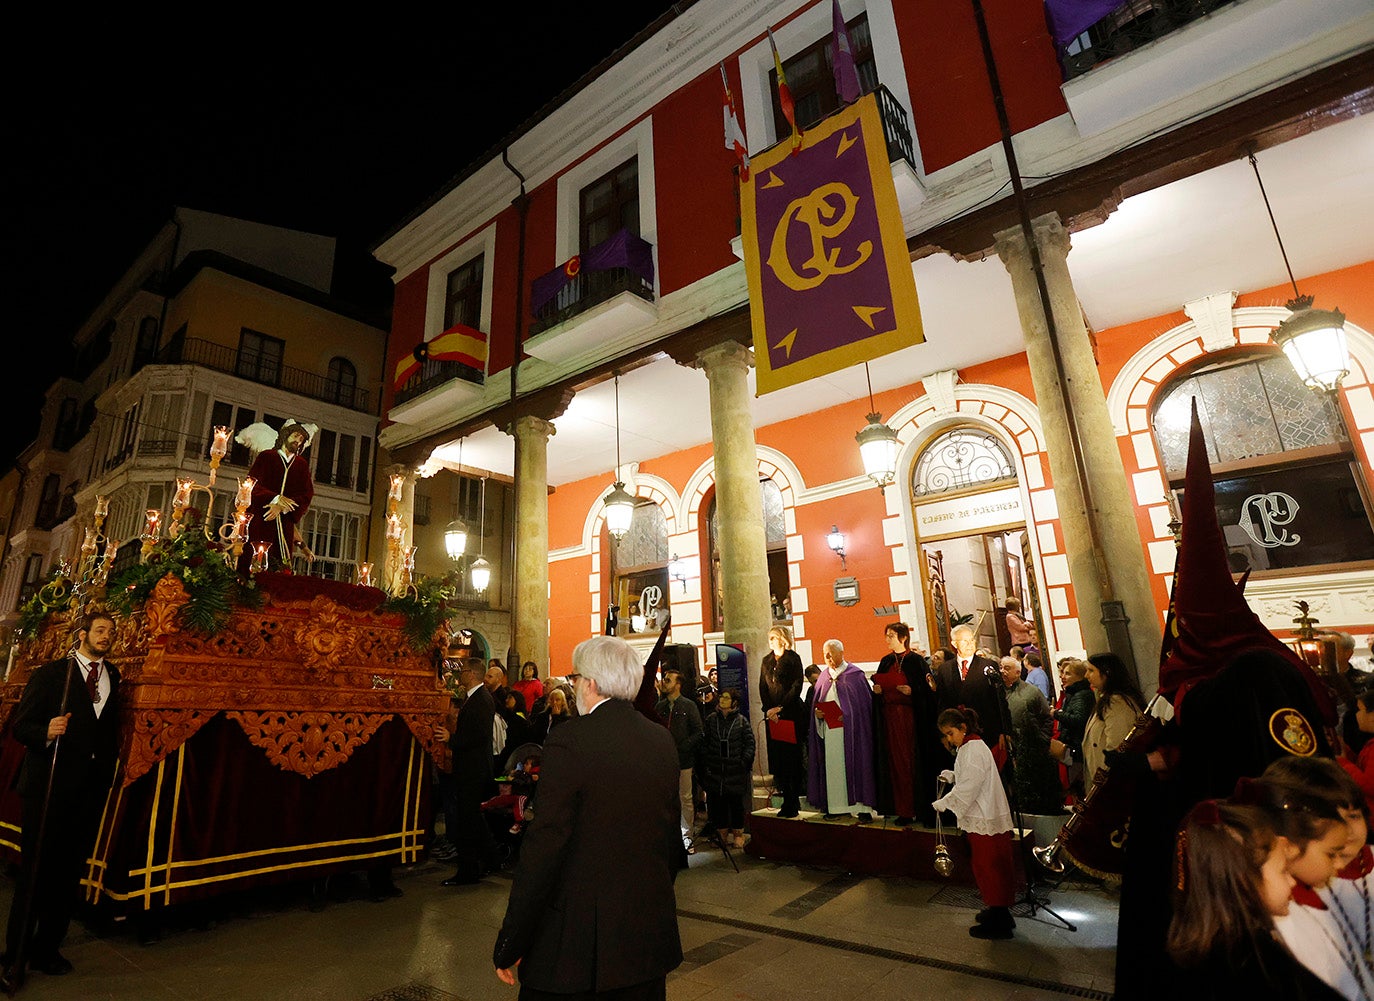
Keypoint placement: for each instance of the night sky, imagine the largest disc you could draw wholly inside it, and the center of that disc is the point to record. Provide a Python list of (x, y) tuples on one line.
[(338, 128)]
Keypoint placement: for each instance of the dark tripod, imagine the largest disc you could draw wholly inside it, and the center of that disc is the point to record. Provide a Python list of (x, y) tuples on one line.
[(1034, 900)]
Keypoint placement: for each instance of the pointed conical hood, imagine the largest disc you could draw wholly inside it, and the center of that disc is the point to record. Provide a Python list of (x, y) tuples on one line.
[(1210, 623)]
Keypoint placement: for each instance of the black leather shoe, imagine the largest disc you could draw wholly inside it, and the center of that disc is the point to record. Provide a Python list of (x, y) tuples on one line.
[(55, 965), (789, 816), (831, 816), (462, 879), (902, 822), (990, 931)]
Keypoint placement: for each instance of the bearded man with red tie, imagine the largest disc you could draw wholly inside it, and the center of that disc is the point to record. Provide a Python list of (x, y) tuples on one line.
[(964, 682), (68, 712)]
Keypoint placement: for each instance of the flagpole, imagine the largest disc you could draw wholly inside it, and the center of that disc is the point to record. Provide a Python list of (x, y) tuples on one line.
[(1113, 611)]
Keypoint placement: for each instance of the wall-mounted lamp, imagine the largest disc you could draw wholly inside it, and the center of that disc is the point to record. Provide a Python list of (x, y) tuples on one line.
[(677, 570), (835, 540)]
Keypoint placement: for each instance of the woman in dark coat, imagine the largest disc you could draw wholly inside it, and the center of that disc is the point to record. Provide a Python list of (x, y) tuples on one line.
[(780, 684), (726, 755), (908, 752), (557, 711)]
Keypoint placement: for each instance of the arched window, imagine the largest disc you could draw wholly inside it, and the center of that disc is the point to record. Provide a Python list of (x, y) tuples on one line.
[(342, 382), (1287, 488), (639, 570), (775, 544), (962, 458)]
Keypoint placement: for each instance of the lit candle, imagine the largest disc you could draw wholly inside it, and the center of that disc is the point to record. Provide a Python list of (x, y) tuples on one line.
[(88, 547), (102, 506), (410, 558), (365, 575), (245, 495), (393, 526), (183, 495), (397, 482), (221, 443), (260, 551), (154, 517)]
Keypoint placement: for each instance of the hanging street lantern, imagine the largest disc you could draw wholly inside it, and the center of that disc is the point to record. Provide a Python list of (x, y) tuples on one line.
[(878, 445), (619, 508), (455, 540), (481, 574), (1314, 342)]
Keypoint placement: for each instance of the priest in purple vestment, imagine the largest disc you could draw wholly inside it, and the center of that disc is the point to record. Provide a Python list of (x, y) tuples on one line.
[(842, 782)]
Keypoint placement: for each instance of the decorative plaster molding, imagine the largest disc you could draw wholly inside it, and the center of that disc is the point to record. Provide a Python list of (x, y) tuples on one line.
[(1359, 340), (939, 386), (1212, 316)]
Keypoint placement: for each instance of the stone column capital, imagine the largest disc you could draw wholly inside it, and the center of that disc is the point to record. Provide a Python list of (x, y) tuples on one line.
[(1050, 234), (530, 426), (728, 354)]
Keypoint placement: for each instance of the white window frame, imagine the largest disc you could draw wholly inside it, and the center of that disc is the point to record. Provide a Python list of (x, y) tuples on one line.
[(756, 63), (483, 245), (636, 141)]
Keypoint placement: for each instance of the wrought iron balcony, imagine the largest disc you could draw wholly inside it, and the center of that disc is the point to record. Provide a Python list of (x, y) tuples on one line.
[(435, 373), (896, 127), (1133, 24), (623, 263), (223, 358)]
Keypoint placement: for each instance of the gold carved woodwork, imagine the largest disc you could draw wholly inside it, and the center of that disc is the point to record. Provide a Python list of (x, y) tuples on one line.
[(304, 656), (152, 734), (308, 743), (163, 606)]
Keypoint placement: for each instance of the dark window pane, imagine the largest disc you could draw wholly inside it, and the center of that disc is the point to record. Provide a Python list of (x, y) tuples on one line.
[(1298, 516)]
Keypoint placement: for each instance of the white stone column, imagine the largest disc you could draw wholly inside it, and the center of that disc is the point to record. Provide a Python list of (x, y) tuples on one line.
[(1116, 569), (747, 609), (531, 626)]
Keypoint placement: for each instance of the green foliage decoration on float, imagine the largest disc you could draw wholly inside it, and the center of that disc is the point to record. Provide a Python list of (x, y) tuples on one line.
[(214, 587)]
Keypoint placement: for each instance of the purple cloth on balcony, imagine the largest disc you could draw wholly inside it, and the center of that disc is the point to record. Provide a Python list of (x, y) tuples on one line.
[(621, 250), (1070, 18)]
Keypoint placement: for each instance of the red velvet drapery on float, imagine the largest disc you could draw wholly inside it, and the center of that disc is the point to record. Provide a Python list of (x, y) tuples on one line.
[(296, 742)]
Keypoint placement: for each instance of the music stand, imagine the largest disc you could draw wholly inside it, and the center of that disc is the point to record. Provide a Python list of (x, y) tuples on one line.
[(1029, 867)]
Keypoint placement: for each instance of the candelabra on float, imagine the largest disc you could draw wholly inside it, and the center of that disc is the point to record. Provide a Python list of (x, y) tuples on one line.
[(232, 534)]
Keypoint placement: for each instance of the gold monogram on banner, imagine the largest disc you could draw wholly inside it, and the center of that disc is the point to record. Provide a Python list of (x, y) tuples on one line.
[(830, 281)]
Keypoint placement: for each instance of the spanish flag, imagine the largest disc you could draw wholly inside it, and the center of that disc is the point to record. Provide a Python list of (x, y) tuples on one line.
[(789, 109), (459, 343)]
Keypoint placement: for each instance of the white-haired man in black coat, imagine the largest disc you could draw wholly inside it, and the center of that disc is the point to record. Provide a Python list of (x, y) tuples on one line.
[(592, 911)]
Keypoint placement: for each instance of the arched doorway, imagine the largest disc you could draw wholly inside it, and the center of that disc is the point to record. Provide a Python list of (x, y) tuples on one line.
[(971, 536)]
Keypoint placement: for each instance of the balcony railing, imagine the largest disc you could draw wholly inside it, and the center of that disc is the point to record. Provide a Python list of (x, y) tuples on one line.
[(222, 358), (896, 128), (623, 263), (1131, 25), (435, 373)]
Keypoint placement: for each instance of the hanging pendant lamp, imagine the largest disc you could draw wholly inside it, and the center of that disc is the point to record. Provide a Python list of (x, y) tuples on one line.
[(619, 505), (481, 569), (456, 534), (878, 444), (1313, 340)]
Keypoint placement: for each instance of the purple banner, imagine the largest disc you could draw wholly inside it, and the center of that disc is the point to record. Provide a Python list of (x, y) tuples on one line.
[(822, 249), (1070, 18), (621, 250)]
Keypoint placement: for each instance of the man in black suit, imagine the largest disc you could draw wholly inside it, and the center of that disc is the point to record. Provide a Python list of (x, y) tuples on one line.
[(470, 744), (69, 711), (964, 681), (592, 911)]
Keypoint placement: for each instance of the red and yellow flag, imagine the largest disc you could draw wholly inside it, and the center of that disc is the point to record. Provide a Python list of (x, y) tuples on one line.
[(789, 109), (460, 343)]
